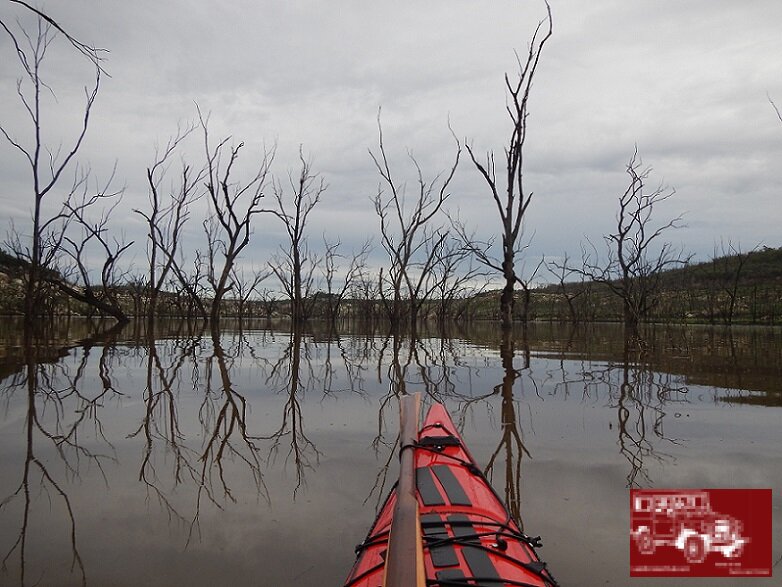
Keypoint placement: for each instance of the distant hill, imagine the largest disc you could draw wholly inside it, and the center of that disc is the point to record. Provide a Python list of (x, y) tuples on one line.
[(744, 288), (761, 267)]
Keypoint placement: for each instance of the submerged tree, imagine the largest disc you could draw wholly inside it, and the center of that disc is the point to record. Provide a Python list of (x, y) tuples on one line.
[(48, 165), (233, 205), (296, 264), (511, 196), (167, 215), (407, 235), (636, 254)]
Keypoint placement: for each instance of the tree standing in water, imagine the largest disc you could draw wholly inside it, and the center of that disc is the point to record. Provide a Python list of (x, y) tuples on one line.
[(636, 255), (512, 199), (47, 165)]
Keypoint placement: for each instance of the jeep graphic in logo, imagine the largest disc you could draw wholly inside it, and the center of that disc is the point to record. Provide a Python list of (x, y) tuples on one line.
[(700, 532)]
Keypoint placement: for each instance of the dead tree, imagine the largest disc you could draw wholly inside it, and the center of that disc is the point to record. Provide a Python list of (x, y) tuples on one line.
[(47, 165), (570, 289), (406, 235), (728, 263), (93, 241), (635, 254), (245, 287), (233, 206), (167, 215), (337, 289), (454, 278), (295, 265), (511, 199)]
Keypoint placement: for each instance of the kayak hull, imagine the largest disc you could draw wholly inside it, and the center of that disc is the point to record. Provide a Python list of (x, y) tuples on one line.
[(469, 537)]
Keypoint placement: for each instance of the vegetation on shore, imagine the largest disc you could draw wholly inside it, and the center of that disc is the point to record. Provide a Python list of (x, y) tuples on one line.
[(726, 289)]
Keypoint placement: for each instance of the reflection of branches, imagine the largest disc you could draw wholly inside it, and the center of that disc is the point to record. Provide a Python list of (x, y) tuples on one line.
[(161, 419), (638, 389), (52, 391), (289, 370), (511, 444), (220, 423)]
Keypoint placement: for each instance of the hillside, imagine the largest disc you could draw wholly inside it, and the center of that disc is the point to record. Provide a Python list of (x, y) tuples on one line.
[(727, 289)]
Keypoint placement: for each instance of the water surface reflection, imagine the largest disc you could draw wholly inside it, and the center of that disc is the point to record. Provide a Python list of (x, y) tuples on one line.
[(171, 454)]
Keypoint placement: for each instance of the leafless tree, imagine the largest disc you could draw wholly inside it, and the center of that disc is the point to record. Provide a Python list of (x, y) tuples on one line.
[(512, 199), (636, 254), (337, 289), (93, 239), (454, 278), (776, 109), (233, 204), (407, 235), (47, 165), (569, 288), (728, 263), (246, 286), (295, 264), (365, 293), (167, 215)]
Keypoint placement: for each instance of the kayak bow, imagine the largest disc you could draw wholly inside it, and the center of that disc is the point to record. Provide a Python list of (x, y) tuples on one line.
[(443, 525)]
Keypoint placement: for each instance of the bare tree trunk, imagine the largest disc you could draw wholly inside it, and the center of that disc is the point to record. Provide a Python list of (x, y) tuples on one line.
[(513, 201), (295, 267), (412, 246), (635, 257), (233, 204), (47, 165)]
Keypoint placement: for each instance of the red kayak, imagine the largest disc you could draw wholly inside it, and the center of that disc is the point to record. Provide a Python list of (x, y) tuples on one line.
[(458, 530)]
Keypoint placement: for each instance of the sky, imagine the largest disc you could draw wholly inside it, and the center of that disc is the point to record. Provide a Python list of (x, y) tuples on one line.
[(686, 83)]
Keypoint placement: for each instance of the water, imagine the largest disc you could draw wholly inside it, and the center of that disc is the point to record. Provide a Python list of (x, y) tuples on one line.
[(259, 457)]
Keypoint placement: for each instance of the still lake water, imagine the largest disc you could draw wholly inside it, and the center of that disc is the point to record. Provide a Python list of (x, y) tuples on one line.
[(258, 457)]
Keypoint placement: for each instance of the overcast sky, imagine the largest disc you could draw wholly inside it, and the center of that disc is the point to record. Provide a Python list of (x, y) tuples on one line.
[(687, 81)]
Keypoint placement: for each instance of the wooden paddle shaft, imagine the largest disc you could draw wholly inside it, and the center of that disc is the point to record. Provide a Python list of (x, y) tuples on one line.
[(404, 560)]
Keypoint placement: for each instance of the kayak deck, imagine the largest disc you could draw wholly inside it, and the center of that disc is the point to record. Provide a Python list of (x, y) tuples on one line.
[(469, 537)]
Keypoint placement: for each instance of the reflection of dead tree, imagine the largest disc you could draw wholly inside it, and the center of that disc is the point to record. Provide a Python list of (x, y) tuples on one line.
[(512, 446), (223, 415), (52, 390), (161, 419), (511, 200), (643, 395), (288, 370)]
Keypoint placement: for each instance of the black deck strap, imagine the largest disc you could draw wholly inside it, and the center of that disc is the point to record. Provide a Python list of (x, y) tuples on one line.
[(439, 442), (427, 489), (442, 553), (462, 526), (435, 521), (453, 489)]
